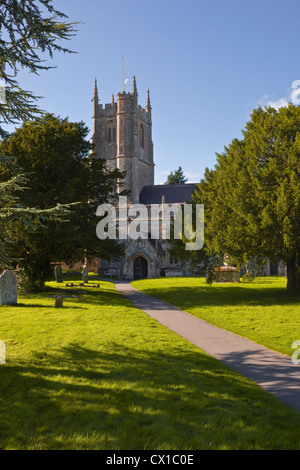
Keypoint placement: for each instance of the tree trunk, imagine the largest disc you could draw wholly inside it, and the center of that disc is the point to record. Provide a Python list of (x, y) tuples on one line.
[(293, 284)]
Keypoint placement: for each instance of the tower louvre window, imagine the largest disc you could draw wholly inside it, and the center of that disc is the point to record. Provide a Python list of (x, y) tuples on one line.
[(142, 139), (111, 133)]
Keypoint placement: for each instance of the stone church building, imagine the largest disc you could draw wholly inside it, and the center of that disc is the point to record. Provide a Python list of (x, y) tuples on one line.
[(122, 135)]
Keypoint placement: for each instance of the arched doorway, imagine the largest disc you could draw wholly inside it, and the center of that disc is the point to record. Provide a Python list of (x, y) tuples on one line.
[(140, 268)]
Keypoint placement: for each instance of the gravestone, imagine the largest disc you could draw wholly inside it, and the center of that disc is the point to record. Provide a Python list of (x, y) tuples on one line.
[(85, 275), (8, 288), (59, 302), (58, 274)]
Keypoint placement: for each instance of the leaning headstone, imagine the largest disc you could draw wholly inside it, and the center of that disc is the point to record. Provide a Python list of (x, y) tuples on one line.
[(59, 302), (85, 275), (8, 288), (58, 274)]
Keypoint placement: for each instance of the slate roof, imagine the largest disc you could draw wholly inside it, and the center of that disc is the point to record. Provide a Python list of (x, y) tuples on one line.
[(174, 194)]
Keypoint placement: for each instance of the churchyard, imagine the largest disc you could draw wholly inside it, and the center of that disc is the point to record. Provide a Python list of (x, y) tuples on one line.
[(98, 373), (261, 310), (81, 368)]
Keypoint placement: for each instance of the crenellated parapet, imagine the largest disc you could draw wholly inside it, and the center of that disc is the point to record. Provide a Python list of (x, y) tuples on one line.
[(122, 134), (144, 114)]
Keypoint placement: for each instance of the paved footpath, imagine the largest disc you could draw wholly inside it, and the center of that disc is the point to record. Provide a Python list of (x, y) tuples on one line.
[(272, 371)]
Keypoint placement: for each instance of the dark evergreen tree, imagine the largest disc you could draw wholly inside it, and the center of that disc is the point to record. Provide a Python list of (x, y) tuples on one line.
[(30, 31), (252, 197), (176, 177), (63, 171), (27, 33)]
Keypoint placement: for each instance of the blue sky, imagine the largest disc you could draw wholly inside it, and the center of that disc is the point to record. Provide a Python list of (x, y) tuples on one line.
[(207, 64)]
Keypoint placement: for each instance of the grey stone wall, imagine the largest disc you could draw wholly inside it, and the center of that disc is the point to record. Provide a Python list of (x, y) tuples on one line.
[(126, 153)]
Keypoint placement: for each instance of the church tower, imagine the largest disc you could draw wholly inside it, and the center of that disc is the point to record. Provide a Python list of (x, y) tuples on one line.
[(122, 135)]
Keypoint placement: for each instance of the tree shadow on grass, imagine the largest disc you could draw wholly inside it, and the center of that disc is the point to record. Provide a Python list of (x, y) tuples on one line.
[(94, 296), (225, 295), (43, 306), (125, 398)]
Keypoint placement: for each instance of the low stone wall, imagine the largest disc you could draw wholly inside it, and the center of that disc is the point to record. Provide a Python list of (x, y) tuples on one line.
[(226, 275), (173, 272)]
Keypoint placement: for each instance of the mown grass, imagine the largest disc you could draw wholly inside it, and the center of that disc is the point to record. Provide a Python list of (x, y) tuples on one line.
[(261, 310), (100, 374)]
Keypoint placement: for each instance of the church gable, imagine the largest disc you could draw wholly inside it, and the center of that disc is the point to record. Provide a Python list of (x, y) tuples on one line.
[(152, 255), (122, 135)]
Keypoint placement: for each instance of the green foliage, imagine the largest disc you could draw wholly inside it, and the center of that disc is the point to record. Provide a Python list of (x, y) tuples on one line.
[(63, 171), (32, 279), (54, 167), (210, 264), (198, 261), (176, 177), (13, 213), (252, 197), (30, 30), (27, 34), (248, 277)]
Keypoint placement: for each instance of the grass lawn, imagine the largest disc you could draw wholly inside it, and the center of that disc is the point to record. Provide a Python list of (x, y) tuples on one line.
[(100, 374), (260, 310)]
